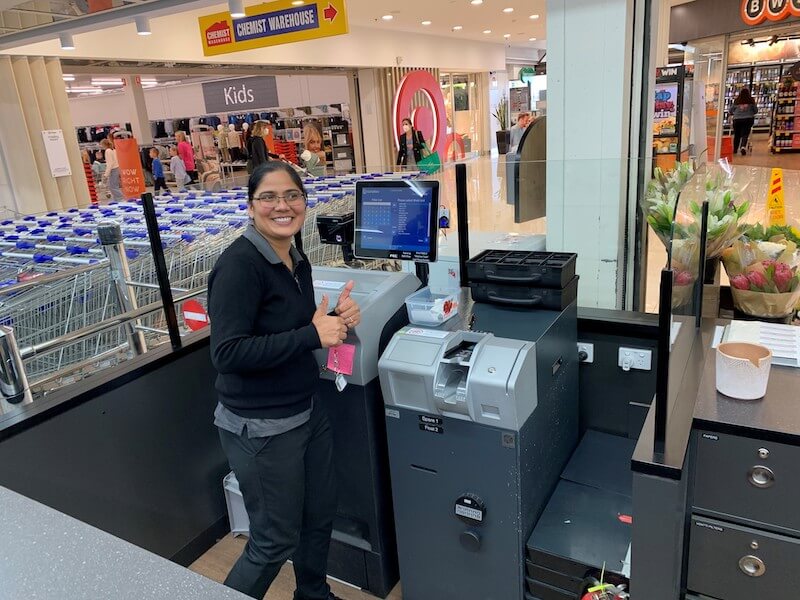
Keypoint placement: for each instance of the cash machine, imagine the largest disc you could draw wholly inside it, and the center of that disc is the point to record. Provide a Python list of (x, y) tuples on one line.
[(363, 549)]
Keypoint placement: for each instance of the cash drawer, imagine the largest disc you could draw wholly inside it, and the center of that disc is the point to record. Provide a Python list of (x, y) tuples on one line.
[(738, 563), (743, 478)]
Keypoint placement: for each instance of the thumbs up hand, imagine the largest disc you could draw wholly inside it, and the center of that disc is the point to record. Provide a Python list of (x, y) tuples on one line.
[(331, 330), (347, 308)]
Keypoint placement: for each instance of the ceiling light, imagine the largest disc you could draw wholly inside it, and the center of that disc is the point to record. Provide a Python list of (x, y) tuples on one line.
[(508, 10), (69, 77), (457, 28), (426, 23), (67, 43), (142, 25), (506, 35), (476, 2), (487, 31), (534, 17), (236, 8), (106, 82), (298, 2), (84, 90), (531, 39), (387, 17)]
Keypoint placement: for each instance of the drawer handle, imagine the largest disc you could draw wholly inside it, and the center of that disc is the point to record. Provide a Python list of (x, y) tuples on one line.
[(761, 477), (752, 566)]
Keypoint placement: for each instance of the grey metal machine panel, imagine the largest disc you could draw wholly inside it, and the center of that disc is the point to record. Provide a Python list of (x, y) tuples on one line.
[(380, 294), (731, 562), (431, 469), (603, 461), (748, 479)]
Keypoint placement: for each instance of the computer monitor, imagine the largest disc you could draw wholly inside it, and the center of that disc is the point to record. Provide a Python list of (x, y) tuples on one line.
[(397, 219)]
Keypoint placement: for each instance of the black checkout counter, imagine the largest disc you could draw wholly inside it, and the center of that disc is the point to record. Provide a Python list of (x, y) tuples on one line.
[(725, 490)]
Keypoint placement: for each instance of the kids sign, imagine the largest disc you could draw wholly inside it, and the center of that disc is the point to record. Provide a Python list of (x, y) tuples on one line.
[(755, 12), (271, 24)]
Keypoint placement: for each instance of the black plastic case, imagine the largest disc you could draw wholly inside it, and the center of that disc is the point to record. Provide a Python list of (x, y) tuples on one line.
[(523, 268), (525, 297)]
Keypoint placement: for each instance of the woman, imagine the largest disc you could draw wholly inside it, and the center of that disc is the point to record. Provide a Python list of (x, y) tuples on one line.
[(111, 174), (743, 116), (186, 152), (257, 148), (411, 145), (264, 330), (313, 156)]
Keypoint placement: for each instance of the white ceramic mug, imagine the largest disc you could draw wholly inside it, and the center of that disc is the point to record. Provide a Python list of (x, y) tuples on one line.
[(743, 370)]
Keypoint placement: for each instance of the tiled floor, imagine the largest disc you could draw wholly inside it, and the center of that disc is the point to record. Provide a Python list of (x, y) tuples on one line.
[(216, 563)]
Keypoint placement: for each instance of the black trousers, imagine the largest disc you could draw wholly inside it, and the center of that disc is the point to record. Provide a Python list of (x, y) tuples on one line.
[(287, 482), (741, 132), (192, 175), (160, 184)]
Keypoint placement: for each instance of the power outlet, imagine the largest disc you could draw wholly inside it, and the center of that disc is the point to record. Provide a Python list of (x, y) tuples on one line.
[(589, 349), (640, 359)]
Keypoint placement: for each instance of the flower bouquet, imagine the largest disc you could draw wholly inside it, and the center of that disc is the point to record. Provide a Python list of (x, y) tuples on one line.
[(764, 274), (724, 215)]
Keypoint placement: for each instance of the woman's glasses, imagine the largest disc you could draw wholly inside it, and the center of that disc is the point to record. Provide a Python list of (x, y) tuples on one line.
[(293, 199)]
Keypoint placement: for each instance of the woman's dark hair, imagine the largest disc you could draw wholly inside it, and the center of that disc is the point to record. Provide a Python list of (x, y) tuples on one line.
[(744, 97), (265, 169)]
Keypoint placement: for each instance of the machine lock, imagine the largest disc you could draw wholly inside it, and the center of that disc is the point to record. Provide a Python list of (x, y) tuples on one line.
[(470, 509)]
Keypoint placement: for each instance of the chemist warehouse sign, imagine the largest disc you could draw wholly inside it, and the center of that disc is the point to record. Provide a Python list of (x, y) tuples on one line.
[(755, 12), (272, 23)]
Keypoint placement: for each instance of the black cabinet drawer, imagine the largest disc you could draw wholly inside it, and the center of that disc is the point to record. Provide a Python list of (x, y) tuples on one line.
[(744, 478), (731, 562)]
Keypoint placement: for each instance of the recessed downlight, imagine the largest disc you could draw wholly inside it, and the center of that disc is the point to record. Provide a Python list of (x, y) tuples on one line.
[(426, 23), (531, 39), (487, 31), (508, 10), (534, 17), (506, 35), (387, 17), (457, 28), (476, 2)]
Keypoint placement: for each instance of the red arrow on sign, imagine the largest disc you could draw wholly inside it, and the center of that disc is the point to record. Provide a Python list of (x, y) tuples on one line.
[(330, 13)]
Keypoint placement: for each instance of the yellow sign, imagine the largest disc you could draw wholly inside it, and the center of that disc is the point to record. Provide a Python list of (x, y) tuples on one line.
[(271, 24), (776, 208)]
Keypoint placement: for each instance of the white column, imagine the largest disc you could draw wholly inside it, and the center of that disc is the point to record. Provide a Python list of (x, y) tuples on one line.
[(137, 109), (588, 124), (372, 119)]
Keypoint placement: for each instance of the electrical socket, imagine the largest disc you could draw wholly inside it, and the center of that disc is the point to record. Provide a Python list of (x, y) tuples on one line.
[(589, 349), (640, 359)]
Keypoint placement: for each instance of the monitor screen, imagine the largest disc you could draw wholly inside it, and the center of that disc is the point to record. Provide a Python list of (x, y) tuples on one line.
[(397, 220)]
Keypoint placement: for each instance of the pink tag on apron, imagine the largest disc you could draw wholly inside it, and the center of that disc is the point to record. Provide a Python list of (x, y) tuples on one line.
[(340, 359)]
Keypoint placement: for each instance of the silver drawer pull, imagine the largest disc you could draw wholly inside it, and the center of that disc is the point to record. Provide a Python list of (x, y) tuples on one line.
[(761, 477), (752, 566)]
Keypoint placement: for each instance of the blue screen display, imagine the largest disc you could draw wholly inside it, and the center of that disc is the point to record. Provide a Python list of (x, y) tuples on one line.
[(396, 219)]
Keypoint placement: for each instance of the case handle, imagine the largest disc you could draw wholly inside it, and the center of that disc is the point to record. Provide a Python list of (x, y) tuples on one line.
[(532, 279), (518, 301), (761, 477)]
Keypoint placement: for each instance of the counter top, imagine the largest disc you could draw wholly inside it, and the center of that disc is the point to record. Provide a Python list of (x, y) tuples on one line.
[(776, 416), (45, 554)]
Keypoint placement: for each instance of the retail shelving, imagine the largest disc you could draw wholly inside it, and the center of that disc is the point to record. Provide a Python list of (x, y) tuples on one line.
[(786, 119)]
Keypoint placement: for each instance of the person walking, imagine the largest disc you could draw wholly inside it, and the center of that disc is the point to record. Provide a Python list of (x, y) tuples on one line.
[(186, 152), (111, 175), (158, 172), (257, 148), (411, 145), (743, 116), (265, 327)]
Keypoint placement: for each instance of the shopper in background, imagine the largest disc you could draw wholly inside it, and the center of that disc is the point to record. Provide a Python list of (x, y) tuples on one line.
[(411, 146), (257, 148), (265, 327), (517, 131), (178, 168), (111, 174), (186, 152), (158, 172), (313, 155), (743, 116)]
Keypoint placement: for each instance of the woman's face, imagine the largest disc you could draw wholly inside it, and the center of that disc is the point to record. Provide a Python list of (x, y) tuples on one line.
[(314, 144), (279, 220)]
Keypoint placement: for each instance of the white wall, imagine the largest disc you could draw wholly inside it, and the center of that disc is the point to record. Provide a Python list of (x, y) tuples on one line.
[(186, 100), (588, 124)]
